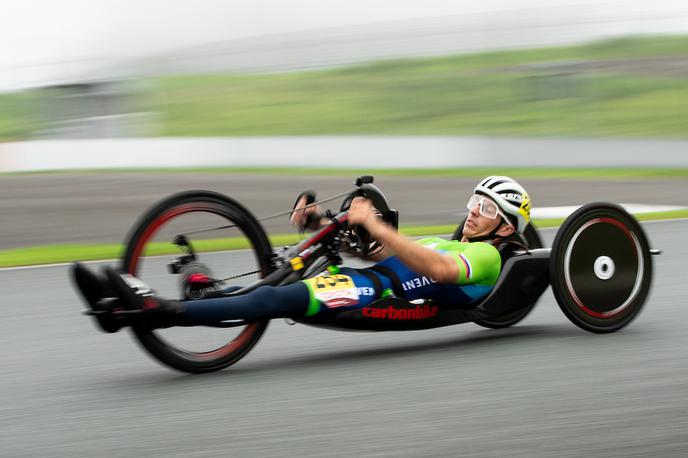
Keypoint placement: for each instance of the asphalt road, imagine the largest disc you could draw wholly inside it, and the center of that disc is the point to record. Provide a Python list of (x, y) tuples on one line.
[(75, 208), (542, 388)]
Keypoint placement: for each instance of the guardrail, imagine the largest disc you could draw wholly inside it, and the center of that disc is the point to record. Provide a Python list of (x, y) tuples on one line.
[(350, 152)]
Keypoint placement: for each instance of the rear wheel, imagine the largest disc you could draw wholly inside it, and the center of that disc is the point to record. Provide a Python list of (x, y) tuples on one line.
[(185, 225), (600, 267), (533, 241)]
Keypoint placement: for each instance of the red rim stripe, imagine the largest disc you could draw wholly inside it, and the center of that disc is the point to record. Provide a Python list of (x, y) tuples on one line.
[(248, 331), (580, 304)]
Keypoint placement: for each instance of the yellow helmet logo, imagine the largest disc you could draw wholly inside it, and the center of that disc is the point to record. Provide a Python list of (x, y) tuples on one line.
[(524, 210)]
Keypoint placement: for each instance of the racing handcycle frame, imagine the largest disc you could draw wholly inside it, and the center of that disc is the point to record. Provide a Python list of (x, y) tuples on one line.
[(599, 267)]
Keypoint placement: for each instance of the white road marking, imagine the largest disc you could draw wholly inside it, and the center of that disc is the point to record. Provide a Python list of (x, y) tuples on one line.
[(564, 211)]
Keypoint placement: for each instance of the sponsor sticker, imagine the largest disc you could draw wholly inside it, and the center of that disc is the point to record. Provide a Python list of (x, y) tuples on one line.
[(525, 207), (334, 290), (419, 312), (296, 263)]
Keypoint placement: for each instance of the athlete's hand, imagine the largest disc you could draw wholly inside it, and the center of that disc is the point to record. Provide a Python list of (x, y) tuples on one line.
[(362, 213), (305, 217)]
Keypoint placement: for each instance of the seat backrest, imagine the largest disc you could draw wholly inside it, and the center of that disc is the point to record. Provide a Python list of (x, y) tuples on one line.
[(509, 248), (524, 277)]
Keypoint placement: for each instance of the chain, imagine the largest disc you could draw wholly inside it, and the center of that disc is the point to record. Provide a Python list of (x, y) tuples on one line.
[(238, 276)]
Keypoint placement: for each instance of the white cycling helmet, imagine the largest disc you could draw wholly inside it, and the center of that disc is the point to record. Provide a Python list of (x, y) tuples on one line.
[(511, 198)]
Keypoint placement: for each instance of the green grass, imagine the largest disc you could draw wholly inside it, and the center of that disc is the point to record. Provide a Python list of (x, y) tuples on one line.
[(491, 93), (18, 115), (465, 172), (456, 95), (409, 101), (52, 254)]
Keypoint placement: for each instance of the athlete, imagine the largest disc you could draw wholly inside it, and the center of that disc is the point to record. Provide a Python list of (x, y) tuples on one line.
[(453, 273)]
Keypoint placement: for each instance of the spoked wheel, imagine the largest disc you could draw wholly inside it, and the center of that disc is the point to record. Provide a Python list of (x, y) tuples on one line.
[(600, 267), (178, 228), (533, 241)]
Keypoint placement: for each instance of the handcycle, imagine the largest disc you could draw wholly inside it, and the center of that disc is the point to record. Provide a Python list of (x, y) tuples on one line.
[(599, 267)]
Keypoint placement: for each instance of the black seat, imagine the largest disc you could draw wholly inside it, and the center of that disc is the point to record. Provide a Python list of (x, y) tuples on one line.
[(524, 277)]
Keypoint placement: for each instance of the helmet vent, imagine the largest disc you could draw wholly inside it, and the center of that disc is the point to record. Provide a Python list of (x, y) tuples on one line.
[(496, 183)]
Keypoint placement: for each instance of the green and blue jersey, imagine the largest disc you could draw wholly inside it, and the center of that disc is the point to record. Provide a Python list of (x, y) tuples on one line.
[(479, 265)]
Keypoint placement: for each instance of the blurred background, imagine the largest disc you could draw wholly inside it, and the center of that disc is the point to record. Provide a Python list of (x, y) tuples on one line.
[(355, 86), (584, 68)]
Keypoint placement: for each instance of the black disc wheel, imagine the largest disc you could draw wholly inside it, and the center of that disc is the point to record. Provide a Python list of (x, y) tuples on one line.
[(214, 243), (600, 267)]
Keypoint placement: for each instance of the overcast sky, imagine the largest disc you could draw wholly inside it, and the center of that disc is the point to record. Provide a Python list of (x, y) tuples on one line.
[(43, 33)]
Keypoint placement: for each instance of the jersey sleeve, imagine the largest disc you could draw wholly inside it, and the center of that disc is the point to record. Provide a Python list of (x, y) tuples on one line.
[(479, 263)]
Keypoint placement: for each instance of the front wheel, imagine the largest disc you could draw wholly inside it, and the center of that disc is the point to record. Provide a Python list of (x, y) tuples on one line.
[(203, 230), (600, 267)]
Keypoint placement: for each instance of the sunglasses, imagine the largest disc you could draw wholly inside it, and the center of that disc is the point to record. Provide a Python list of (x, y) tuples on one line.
[(486, 207)]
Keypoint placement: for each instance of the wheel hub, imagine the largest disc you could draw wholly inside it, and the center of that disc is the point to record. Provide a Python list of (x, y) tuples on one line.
[(613, 282), (604, 267)]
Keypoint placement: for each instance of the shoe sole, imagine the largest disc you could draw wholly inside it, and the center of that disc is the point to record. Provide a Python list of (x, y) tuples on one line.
[(93, 291)]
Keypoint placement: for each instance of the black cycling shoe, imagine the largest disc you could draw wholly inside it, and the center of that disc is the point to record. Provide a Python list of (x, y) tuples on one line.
[(137, 296), (95, 291)]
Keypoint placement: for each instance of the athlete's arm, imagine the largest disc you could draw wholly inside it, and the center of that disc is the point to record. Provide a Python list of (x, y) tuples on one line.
[(442, 268), (479, 263)]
